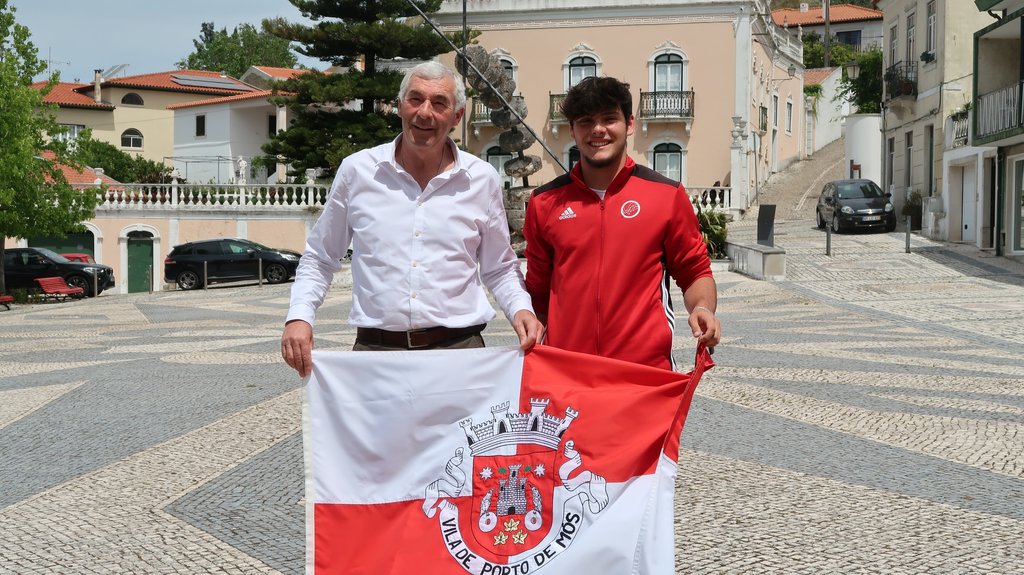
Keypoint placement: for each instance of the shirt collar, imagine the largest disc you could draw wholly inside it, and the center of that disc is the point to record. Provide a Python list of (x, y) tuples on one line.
[(390, 159)]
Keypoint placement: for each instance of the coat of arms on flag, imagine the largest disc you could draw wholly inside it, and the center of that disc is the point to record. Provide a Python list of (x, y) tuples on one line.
[(491, 461)]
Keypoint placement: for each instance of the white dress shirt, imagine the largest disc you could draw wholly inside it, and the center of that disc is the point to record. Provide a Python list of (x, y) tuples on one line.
[(419, 259)]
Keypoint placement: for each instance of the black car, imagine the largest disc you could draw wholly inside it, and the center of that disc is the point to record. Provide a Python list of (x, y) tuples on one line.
[(23, 265), (855, 204), (227, 259)]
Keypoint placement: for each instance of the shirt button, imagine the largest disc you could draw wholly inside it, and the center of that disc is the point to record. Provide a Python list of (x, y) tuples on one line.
[(415, 264), (418, 233), (413, 295)]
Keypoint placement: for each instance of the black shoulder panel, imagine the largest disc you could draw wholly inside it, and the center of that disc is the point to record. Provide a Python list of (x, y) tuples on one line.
[(645, 173), (559, 182)]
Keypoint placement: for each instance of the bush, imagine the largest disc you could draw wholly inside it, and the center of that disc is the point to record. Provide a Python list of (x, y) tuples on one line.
[(713, 230)]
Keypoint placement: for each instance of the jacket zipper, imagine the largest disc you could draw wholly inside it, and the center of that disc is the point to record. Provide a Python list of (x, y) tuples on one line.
[(600, 270)]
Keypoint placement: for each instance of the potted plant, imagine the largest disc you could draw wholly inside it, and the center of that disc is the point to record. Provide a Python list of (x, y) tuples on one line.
[(913, 209)]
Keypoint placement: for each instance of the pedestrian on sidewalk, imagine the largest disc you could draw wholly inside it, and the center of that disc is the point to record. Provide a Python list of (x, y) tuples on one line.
[(603, 240), (427, 227)]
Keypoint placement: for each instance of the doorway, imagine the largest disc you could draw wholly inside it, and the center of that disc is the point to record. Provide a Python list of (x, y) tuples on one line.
[(140, 261)]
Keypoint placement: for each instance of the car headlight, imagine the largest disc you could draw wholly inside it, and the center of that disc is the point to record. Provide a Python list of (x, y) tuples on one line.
[(290, 257), (92, 270), (847, 210), (888, 207)]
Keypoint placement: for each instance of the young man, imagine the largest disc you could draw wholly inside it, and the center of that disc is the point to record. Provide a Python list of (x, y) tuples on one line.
[(426, 224), (604, 239)]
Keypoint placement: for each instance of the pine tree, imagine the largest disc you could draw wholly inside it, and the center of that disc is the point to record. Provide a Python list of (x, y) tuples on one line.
[(35, 198), (335, 115)]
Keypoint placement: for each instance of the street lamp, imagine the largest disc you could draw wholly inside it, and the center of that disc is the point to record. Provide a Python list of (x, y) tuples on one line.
[(852, 69)]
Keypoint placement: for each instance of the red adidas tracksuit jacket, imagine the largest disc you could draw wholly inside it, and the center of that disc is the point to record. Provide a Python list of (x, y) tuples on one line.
[(600, 269)]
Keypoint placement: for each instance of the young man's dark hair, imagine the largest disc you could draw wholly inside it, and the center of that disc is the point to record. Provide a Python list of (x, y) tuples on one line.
[(594, 95)]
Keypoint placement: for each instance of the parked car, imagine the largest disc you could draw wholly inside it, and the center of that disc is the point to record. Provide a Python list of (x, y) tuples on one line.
[(227, 259), (855, 204), (23, 265), (84, 258)]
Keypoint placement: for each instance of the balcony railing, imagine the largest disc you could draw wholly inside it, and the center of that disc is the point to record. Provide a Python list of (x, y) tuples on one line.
[(555, 108), (717, 198), (960, 122), (666, 104), (283, 197), (901, 80), (762, 122), (481, 113), (999, 111)]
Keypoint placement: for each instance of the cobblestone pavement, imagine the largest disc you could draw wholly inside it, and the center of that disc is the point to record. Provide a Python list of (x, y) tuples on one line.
[(866, 416)]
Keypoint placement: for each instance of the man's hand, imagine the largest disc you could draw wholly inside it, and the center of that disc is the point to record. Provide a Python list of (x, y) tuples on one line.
[(705, 326), (297, 346), (529, 329)]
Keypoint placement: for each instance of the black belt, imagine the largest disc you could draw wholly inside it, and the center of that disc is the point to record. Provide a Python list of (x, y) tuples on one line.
[(414, 338)]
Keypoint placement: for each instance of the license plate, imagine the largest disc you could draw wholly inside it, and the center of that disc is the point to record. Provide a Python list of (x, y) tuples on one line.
[(872, 218)]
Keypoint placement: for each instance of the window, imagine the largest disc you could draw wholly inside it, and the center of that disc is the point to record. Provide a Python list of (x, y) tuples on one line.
[(911, 44), (668, 73), (894, 35), (775, 111), (200, 125), (497, 158), (929, 156), (908, 156), (930, 33), (849, 37), (581, 67), (72, 132), (789, 116), (271, 126), (1017, 231), (131, 138), (132, 99), (509, 67), (668, 161), (890, 155)]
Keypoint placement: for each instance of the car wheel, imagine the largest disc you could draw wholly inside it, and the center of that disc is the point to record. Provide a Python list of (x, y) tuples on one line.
[(275, 273), (836, 227), (821, 220), (188, 279), (77, 281)]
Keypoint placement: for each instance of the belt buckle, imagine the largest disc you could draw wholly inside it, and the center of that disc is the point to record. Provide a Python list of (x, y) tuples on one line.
[(408, 338)]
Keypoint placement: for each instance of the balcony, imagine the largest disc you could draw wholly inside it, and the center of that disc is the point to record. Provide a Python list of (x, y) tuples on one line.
[(666, 106), (273, 198), (999, 113), (762, 122), (958, 129), (901, 82)]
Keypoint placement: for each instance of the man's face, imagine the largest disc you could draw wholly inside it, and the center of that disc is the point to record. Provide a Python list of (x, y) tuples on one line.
[(428, 111), (601, 138)]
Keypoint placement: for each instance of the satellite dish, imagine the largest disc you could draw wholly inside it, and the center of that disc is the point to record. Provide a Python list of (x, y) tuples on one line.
[(109, 72)]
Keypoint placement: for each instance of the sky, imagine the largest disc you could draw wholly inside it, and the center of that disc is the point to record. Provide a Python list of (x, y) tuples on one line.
[(149, 35)]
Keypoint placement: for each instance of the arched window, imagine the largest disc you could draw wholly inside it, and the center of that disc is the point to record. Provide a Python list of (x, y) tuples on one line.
[(132, 99), (509, 66), (581, 67), (668, 73), (131, 138), (497, 158), (668, 161)]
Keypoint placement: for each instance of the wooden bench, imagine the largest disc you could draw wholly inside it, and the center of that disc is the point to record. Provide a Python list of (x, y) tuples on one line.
[(57, 288), (5, 300)]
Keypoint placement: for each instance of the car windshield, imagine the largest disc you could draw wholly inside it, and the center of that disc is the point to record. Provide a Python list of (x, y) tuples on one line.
[(855, 191), (53, 255)]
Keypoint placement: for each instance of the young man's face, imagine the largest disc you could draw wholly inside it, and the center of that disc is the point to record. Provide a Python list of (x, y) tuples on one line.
[(601, 138), (428, 111)]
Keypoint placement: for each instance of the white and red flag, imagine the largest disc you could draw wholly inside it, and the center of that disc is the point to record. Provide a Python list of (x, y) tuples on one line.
[(492, 462)]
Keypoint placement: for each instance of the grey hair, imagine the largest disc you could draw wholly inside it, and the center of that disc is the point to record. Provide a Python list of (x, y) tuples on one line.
[(434, 70)]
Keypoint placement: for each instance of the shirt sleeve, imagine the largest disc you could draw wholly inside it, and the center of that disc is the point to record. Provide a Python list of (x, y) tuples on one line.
[(684, 248), (499, 265), (326, 245), (539, 257)]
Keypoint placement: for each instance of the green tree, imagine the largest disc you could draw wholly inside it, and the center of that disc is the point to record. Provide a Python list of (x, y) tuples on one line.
[(866, 91), (119, 165), (234, 53), (814, 52), (335, 115), (35, 198)]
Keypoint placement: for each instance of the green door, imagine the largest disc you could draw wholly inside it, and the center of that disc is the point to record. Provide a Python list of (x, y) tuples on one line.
[(140, 261), (82, 243)]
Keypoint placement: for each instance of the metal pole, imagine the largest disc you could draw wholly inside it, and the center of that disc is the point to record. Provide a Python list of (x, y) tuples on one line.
[(259, 265), (824, 14), (908, 234), (828, 239), (96, 283), (465, 40), (205, 274)]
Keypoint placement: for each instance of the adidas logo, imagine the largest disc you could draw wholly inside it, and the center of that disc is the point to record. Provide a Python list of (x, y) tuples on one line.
[(567, 214)]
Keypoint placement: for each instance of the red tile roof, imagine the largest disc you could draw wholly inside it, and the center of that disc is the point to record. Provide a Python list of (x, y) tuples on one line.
[(223, 99), (280, 73), (836, 13), (817, 75), (165, 81), (73, 176), (66, 94)]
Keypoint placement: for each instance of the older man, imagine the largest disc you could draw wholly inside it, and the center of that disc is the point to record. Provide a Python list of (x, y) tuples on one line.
[(428, 232)]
